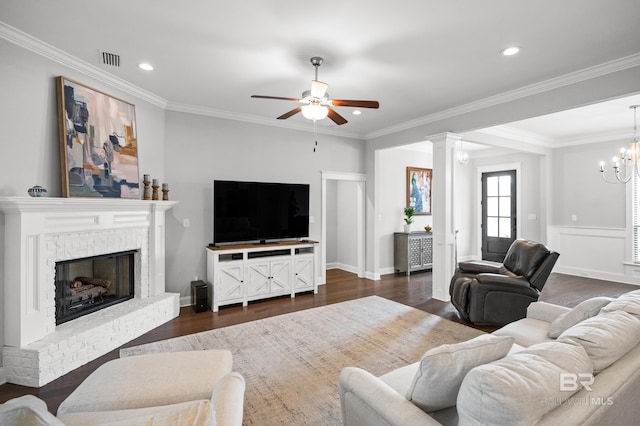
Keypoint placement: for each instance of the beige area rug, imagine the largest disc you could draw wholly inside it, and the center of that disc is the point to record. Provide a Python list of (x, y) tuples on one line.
[(291, 362)]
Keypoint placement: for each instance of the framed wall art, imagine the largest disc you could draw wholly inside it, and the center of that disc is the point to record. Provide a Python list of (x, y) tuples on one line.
[(98, 143), (419, 189)]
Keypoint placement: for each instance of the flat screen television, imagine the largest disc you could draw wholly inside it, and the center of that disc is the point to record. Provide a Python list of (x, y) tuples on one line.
[(259, 211)]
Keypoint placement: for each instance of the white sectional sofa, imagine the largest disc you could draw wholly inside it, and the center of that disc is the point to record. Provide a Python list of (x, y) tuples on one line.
[(194, 388), (557, 366)]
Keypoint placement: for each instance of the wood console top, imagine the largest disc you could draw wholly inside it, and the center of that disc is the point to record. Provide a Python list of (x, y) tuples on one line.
[(259, 246)]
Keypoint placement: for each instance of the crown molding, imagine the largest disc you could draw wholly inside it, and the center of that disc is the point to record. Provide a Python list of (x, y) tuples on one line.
[(511, 133), (54, 54), (594, 138), (247, 118), (595, 71)]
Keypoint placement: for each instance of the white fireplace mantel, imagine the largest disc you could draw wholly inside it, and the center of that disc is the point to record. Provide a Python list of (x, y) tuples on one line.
[(38, 232)]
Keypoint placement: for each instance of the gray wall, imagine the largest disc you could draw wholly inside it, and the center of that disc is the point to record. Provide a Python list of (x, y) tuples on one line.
[(392, 189), (346, 235), (200, 149), (578, 188), (341, 236), (332, 223), (29, 130)]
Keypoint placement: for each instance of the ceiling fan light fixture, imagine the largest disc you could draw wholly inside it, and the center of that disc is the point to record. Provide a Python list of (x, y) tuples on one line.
[(317, 104), (315, 112), (510, 51), (318, 89)]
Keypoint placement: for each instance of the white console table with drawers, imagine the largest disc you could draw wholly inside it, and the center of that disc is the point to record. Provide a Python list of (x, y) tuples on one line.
[(241, 273)]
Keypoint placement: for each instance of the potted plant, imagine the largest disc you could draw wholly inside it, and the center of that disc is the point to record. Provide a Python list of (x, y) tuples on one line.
[(409, 212)]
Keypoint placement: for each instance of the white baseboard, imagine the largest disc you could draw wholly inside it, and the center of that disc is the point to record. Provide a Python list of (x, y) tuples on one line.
[(343, 266), (389, 270), (367, 275), (372, 276), (596, 274)]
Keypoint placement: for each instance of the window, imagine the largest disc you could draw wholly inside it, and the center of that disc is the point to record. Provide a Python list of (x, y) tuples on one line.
[(499, 206)]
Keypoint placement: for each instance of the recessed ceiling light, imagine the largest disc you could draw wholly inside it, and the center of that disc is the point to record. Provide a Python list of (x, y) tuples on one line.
[(145, 66), (357, 112), (510, 51)]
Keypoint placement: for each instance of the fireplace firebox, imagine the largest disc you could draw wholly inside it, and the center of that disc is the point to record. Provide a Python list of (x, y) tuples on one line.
[(89, 284)]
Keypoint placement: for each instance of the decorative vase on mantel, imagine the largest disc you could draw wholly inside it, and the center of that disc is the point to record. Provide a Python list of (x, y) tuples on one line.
[(37, 191), (407, 227)]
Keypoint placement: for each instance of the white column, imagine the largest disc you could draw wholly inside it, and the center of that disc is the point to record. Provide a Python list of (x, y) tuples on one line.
[(444, 145), (157, 247)]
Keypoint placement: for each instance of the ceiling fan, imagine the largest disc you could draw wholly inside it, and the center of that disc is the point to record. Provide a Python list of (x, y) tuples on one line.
[(317, 104)]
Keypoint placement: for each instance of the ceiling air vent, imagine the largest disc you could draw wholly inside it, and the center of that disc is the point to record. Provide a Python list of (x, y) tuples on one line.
[(110, 59)]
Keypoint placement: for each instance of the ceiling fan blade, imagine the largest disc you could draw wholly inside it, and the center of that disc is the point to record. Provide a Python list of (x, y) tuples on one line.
[(318, 89), (290, 113), (337, 118), (275, 97), (355, 103)]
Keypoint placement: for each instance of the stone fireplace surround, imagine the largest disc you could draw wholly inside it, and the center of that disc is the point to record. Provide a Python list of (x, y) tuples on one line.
[(38, 232)]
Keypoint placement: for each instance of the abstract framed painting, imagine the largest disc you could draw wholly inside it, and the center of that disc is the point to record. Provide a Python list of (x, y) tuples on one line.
[(419, 189), (98, 143)]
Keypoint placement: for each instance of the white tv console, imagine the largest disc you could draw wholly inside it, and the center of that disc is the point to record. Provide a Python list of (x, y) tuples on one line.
[(241, 273)]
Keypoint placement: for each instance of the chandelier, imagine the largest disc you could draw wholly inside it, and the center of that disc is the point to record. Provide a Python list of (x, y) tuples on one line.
[(625, 164), (462, 157)]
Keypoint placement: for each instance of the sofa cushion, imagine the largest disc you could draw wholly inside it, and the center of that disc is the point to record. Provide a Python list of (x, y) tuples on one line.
[(437, 381), (586, 309), (194, 413), (401, 378), (527, 331), (628, 302), (520, 388), (606, 337), (545, 311)]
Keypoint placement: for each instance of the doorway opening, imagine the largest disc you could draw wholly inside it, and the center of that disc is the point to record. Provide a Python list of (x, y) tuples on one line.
[(349, 204)]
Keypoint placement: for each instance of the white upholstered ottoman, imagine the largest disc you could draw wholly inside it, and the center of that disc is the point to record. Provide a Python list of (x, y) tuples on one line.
[(157, 380)]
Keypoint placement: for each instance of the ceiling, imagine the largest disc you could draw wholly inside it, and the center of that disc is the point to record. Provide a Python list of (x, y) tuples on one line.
[(416, 57)]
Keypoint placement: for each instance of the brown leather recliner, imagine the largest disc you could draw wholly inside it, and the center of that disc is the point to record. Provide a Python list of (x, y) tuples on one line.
[(486, 292)]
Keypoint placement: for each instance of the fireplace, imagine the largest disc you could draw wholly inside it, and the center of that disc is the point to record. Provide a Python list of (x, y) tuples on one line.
[(89, 284), (50, 241)]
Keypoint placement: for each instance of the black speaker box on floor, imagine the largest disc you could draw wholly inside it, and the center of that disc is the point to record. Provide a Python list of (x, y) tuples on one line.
[(199, 296)]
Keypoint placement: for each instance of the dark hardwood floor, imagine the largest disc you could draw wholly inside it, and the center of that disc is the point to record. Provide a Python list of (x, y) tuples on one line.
[(413, 291)]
